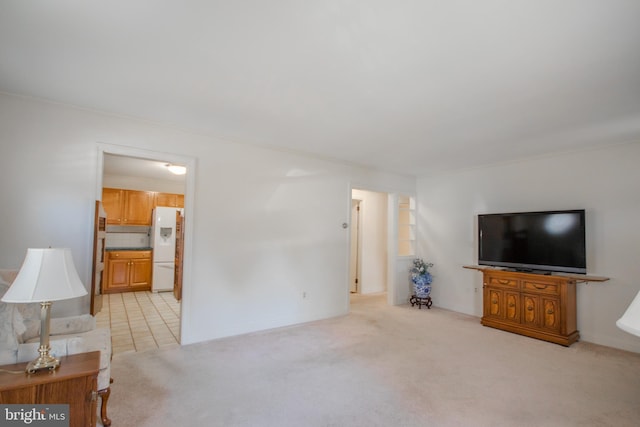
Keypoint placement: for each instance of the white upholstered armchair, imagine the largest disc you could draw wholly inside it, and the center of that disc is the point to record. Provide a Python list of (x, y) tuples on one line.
[(20, 338)]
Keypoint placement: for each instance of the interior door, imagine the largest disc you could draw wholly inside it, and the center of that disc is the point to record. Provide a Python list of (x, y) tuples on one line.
[(354, 267), (98, 260)]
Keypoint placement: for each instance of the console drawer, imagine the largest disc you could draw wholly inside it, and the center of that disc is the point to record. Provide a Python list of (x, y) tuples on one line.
[(502, 282), (541, 287)]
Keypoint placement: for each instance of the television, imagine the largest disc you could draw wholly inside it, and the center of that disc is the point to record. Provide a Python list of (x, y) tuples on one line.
[(542, 242)]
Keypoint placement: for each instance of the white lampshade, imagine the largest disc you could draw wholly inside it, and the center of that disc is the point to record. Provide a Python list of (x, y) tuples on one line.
[(45, 275), (630, 320)]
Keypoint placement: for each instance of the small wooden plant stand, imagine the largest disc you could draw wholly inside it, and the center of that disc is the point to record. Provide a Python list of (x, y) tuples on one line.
[(414, 300)]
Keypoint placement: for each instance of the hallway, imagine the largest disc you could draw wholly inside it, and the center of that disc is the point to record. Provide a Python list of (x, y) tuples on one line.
[(140, 320)]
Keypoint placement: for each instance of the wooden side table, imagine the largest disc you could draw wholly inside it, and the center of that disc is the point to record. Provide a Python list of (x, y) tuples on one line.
[(74, 383)]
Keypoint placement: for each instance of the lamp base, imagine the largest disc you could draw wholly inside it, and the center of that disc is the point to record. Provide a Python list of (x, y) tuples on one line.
[(44, 361)]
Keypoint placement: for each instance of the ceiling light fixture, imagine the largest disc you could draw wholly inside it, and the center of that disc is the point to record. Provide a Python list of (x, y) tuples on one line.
[(176, 169)]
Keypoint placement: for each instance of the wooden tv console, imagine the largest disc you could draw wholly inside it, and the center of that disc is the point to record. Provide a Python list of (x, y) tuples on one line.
[(536, 305)]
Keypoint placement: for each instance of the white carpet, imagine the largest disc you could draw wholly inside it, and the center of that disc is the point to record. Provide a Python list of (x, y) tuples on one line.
[(378, 366)]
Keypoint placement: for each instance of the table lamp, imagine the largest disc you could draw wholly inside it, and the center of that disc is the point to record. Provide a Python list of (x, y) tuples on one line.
[(630, 320), (46, 275)]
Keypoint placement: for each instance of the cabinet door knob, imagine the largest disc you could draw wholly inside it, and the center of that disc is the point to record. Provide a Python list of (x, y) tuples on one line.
[(494, 301), (512, 305), (529, 308), (549, 311)]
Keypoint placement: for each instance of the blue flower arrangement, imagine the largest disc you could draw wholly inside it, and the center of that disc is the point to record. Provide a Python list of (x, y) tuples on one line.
[(421, 278), (421, 269)]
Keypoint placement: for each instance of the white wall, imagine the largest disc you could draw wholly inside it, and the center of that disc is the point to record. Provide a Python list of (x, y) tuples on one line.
[(267, 225), (373, 239), (605, 182)]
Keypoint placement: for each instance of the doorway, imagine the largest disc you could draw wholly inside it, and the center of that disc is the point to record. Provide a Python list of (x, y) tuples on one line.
[(368, 265), (354, 257), (143, 170)]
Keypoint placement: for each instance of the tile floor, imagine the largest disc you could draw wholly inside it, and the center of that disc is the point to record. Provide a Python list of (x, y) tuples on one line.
[(140, 320)]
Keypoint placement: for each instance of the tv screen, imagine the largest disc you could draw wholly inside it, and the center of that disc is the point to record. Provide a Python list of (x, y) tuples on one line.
[(546, 241)]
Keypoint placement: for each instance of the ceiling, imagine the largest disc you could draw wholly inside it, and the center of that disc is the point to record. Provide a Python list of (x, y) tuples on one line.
[(409, 86), (142, 168)]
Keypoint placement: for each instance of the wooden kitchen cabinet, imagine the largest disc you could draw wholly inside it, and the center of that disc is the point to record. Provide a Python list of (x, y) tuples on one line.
[(73, 383), (128, 207), (113, 203), (128, 271), (138, 207), (170, 200)]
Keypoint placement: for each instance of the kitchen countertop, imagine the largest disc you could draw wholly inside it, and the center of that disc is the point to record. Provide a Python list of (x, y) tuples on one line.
[(147, 248)]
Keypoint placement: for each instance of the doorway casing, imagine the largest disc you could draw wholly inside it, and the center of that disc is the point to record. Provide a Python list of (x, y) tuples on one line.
[(190, 163), (396, 294), (356, 245)]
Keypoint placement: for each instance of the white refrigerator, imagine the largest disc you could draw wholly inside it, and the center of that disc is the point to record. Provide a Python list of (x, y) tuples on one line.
[(163, 242)]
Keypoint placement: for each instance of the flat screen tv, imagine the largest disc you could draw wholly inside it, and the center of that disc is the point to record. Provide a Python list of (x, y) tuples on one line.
[(550, 241)]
